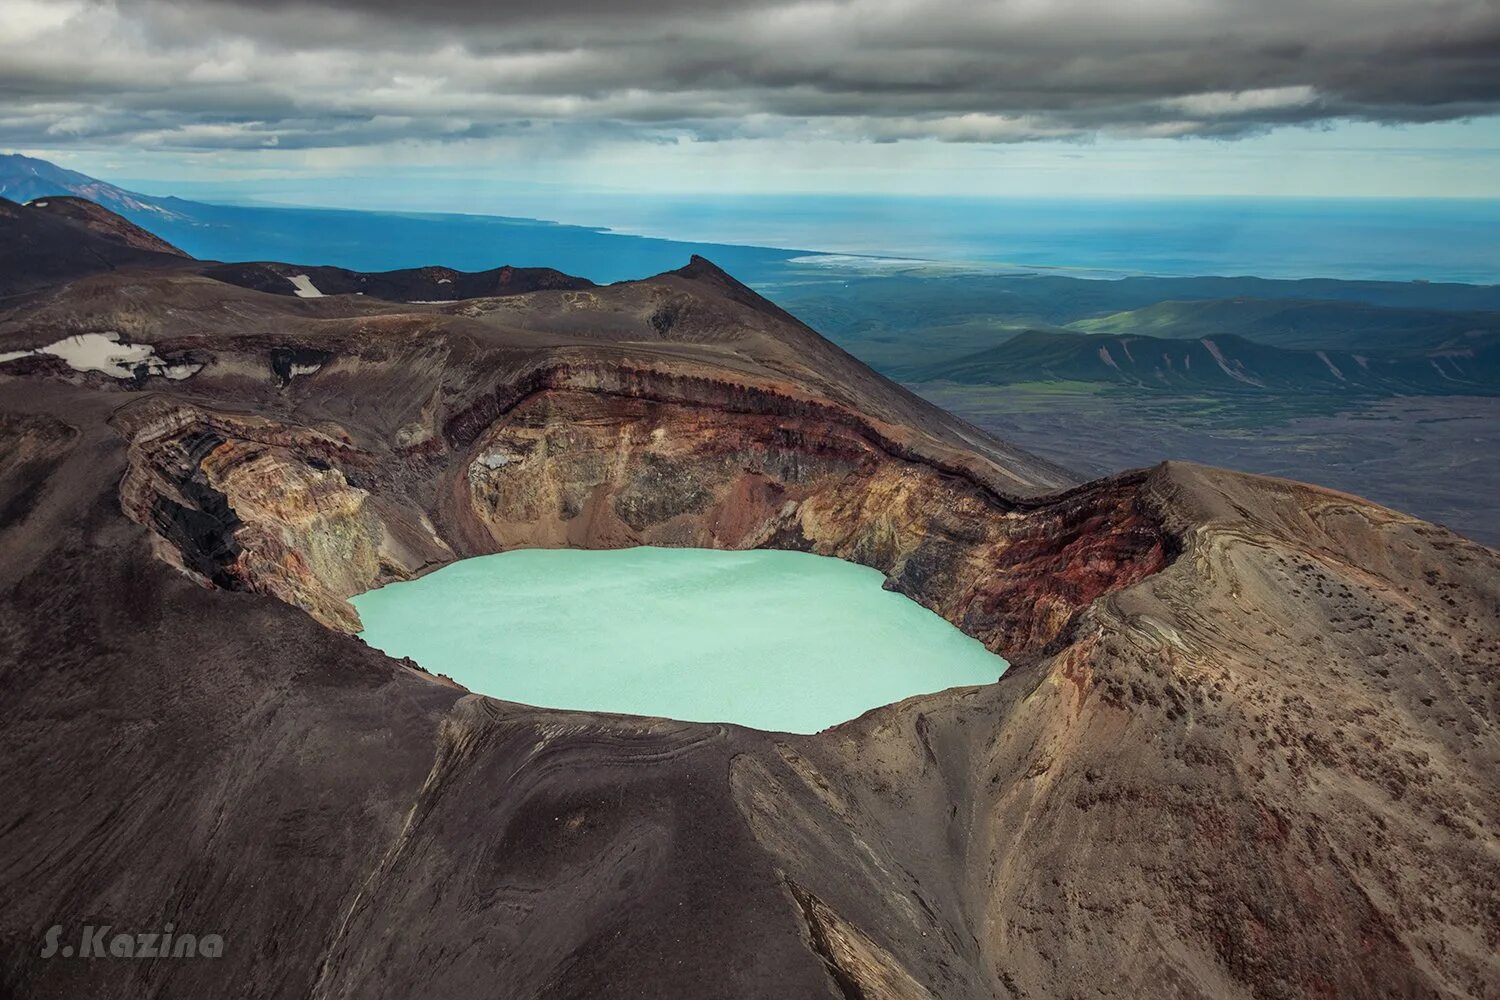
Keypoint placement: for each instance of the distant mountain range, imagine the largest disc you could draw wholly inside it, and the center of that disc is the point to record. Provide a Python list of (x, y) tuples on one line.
[(1300, 323), (1227, 363), (1147, 333), (25, 178)]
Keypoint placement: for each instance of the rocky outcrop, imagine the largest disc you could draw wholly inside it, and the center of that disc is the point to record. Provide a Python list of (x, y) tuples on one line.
[(260, 506)]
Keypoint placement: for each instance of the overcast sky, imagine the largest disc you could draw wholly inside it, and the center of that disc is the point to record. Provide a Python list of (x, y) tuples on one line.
[(1380, 97)]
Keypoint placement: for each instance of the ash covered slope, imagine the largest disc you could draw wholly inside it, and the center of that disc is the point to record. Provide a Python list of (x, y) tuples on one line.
[(103, 223), (59, 239), (1246, 748)]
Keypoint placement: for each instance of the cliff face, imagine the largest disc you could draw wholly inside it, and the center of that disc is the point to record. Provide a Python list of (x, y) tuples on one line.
[(1246, 747), (262, 506), (585, 469), (641, 457)]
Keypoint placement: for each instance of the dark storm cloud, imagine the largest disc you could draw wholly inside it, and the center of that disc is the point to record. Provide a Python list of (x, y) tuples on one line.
[(288, 73)]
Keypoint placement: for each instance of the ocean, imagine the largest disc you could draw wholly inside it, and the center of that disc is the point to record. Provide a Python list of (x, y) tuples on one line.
[(609, 237), (1352, 239)]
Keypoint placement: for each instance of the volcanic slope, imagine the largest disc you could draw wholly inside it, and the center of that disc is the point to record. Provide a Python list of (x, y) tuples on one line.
[(1246, 747)]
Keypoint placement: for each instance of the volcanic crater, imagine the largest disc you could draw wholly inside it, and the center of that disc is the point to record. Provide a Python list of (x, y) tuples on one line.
[(1246, 746)]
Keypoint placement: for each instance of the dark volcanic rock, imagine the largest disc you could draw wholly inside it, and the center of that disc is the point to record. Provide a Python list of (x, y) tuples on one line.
[(419, 284), (56, 240), (288, 362), (103, 223), (1247, 746)]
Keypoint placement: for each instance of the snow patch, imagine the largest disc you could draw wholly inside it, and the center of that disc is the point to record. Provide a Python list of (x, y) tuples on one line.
[(1219, 357), (1331, 366), (304, 286), (487, 463), (108, 354)]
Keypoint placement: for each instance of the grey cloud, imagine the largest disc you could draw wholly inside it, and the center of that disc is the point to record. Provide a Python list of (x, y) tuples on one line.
[(293, 74)]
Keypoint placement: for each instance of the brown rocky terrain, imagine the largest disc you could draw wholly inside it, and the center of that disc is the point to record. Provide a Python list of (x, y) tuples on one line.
[(1246, 748), (103, 223), (58, 239), (422, 284)]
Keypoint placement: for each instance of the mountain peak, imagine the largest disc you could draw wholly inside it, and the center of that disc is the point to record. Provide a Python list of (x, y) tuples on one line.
[(60, 238), (102, 222), (27, 179)]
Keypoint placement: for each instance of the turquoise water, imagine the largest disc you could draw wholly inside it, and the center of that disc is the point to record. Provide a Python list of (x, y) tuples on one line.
[(775, 640)]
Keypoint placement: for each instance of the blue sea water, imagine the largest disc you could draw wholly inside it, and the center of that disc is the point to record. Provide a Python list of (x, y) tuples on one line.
[(382, 241), (1352, 239), (610, 237)]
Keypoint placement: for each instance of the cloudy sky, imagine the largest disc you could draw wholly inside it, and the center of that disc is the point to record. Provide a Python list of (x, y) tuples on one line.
[(1369, 97)]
